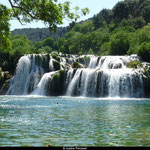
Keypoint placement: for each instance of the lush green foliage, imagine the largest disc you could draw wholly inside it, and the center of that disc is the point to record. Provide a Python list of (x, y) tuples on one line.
[(21, 45), (4, 28), (56, 57), (76, 65), (119, 43), (39, 34), (50, 12), (134, 64), (144, 51), (84, 60)]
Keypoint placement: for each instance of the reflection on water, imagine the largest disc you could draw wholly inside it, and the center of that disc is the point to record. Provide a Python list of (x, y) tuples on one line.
[(39, 121)]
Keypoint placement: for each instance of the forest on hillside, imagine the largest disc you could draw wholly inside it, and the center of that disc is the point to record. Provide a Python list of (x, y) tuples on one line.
[(123, 30), (39, 34)]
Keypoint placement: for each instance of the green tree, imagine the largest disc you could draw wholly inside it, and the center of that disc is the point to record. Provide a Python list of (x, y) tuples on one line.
[(137, 22), (104, 49), (48, 42), (104, 16), (4, 28), (38, 45), (73, 40), (45, 49), (119, 44), (90, 52), (144, 51), (86, 27), (143, 35), (50, 12), (120, 11), (146, 13), (5, 43), (61, 45), (21, 45)]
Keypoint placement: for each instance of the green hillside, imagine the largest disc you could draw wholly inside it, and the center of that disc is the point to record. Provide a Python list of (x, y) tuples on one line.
[(39, 34)]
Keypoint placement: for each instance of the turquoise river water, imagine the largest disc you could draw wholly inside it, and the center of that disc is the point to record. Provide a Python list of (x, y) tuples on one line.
[(68, 121)]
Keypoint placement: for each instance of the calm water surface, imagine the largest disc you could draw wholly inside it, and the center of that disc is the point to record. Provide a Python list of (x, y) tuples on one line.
[(39, 121)]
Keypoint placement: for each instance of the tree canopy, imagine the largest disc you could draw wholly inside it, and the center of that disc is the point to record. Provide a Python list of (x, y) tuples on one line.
[(4, 28), (50, 12)]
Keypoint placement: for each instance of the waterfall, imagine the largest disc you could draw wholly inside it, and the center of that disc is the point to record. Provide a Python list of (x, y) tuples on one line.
[(28, 74), (74, 82), (106, 76), (18, 84), (41, 87), (88, 82), (93, 62)]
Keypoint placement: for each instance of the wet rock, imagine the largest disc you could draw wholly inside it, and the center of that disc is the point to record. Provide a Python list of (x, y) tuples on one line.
[(56, 65), (5, 87), (77, 65)]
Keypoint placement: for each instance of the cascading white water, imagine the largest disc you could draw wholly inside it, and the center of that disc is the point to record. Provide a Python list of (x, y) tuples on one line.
[(105, 76), (122, 82), (74, 82), (40, 89), (93, 62), (28, 75), (113, 62), (18, 84), (110, 78), (31, 73), (88, 82)]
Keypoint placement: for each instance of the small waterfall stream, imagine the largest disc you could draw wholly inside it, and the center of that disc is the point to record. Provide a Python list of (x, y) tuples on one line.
[(106, 76)]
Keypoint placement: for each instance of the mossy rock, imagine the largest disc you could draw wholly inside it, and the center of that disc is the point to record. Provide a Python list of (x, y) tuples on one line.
[(53, 85), (56, 65), (84, 60), (57, 83), (77, 65), (134, 64), (61, 72), (147, 72), (56, 57), (56, 78), (6, 75), (87, 59), (4, 87), (45, 62), (47, 54)]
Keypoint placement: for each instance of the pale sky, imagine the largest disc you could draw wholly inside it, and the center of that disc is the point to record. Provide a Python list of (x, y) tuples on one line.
[(95, 7)]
